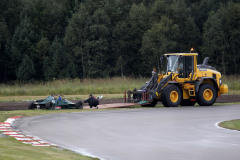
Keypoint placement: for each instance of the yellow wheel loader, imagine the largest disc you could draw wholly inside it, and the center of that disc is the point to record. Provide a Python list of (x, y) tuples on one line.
[(184, 83)]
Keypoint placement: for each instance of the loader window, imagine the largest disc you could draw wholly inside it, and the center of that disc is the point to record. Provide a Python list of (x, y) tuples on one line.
[(188, 66), (185, 66), (180, 68), (172, 63)]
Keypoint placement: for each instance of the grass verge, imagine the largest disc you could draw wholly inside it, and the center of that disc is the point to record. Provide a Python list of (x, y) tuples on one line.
[(233, 124), (72, 87), (11, 149), (115, 85)]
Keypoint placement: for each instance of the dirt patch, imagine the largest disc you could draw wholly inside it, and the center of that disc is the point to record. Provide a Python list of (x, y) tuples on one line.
[(9, 106), (228, 99)]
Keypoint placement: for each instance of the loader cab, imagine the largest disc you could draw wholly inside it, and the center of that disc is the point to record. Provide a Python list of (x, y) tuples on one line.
[(182, 64)]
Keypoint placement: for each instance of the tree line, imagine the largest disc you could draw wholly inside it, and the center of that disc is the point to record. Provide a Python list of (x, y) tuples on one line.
[(46, 40)]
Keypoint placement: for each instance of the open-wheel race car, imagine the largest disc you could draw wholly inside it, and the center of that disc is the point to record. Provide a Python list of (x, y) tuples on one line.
[(55, 103)]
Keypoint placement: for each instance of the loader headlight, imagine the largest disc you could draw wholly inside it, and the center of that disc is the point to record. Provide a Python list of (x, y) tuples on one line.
[(220, 81)]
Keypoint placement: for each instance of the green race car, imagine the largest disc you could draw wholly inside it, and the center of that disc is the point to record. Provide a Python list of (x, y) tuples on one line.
[(55, 103)]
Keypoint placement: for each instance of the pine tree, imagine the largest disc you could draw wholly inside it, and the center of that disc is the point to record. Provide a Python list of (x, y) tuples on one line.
[(4, 60), (58, 58), (97, 45), (23, 42), (120, 65), (75, 38), (26, 70), (42, 51), (129, 34), (221, 38), (47, 69), (160, 39)]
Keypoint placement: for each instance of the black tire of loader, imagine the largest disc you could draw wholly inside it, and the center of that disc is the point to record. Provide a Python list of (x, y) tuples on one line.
[(49, 105), (153, 104), (79, 105), (187, 102), (166, 101), (200, 99)]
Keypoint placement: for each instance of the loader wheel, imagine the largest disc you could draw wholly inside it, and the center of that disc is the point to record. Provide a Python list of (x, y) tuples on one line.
[(79, 105), (153, 104), (187, 102), (171, 96), (206, 95), (49, 105)]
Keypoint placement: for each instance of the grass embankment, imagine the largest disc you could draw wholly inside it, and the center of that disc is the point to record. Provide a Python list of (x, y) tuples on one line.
[(11, 149), (72, 87), (233, 83), (233, 124), (95, 86)]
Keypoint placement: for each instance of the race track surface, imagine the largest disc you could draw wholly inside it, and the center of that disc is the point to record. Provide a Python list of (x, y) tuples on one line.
[(183, 133)]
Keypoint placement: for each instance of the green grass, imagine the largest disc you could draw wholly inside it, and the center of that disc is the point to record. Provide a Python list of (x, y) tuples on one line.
[(233, 124), (233, 83), (72, 87), (115, 85), (11, 149)]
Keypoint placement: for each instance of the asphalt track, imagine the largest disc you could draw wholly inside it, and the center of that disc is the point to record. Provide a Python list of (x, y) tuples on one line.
[(180, 133)]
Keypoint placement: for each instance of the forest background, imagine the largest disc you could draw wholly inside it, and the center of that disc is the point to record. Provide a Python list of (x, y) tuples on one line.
[(66, 39)]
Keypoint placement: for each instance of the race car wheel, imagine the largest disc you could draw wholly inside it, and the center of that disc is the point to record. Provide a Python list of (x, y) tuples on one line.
[(79, 105), (31, 105), (49, 105)]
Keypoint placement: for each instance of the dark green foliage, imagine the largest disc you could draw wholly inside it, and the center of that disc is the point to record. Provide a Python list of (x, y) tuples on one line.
[(76, 38), (97, 45), (92, 39), (23, 41), (221, 38), (160, 39), (120, 66), (26, 70), (129, 34), (56, 65), (4, 40)]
